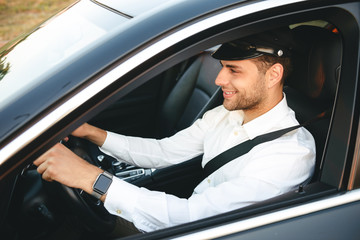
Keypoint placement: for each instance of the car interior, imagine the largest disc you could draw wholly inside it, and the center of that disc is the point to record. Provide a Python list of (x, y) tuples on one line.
[(170, 102)]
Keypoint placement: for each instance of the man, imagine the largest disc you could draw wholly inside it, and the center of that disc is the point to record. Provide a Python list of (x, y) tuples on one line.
[(252, 75)]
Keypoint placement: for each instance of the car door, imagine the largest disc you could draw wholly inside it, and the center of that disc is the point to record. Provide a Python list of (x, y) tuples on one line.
[(336, 190)]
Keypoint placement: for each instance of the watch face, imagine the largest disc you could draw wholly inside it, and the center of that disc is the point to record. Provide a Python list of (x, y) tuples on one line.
[(103, 183)]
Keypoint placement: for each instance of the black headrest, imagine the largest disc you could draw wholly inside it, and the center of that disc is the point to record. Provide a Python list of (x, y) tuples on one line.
[(317, 62)]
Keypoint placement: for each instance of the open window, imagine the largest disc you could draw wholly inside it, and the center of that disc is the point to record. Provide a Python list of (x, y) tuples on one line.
[(172, 99), (317, 86), (177, 96)]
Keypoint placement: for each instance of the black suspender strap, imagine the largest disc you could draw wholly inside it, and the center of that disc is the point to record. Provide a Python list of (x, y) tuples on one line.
[(244, 147)]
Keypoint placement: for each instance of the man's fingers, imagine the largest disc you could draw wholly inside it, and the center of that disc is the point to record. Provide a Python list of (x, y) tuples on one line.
[(44, 162), (40, 160), (41, 168), (46, 177), (49, 154), (44, 169)]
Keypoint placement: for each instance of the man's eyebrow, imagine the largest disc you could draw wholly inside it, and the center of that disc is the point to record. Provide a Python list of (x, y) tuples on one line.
[(232, 66), (228, 65)]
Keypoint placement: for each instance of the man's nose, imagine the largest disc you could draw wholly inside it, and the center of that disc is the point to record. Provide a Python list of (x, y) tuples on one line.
[(221, 79)]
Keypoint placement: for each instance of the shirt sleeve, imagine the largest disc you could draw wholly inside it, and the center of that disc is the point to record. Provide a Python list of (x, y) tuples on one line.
[(153, 210), (152, 153)]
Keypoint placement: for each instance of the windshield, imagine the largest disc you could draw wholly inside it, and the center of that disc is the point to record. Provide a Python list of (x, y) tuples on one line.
[(53, 44)]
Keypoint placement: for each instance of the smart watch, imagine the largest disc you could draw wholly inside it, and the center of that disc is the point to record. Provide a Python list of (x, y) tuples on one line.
[(102, 184)]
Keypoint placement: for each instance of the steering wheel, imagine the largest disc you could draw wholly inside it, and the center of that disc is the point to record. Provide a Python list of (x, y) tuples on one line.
[(90, 210)]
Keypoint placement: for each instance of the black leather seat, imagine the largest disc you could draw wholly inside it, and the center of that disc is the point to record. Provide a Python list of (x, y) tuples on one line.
[(311, 89), (192, 95)]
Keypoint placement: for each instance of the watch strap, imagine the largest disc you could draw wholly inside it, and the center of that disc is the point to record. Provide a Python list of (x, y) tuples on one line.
[(96, 195)]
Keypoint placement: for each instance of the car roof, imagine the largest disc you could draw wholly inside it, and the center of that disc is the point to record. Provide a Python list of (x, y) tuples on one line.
[(133, 8)]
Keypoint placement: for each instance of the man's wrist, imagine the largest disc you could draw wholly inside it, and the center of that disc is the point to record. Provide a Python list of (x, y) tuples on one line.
[(101, 185), (96, 135)]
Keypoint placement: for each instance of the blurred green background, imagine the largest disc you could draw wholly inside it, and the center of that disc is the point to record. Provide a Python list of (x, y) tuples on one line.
[(21, 16)]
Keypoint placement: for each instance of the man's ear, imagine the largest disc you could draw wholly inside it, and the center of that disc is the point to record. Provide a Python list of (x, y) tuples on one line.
[(275, 74)]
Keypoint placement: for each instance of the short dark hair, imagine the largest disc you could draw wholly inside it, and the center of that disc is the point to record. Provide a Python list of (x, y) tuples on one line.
[(264, 62)]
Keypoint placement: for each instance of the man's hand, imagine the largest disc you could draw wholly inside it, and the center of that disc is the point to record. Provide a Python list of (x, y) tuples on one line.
[(91, 133), (62, 165)]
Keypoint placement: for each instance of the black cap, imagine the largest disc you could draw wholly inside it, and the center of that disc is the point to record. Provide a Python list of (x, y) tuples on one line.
[(277, 43)]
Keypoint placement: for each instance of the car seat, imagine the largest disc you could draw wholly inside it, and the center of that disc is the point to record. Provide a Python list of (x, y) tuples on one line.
[(311, 88), (192, 95)]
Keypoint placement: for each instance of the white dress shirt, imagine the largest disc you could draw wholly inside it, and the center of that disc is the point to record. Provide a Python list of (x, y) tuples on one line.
[(268, 170)]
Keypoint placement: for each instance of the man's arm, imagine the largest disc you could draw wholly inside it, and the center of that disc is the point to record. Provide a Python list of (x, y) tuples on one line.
[(270, 170), (153, 153), (62, 165), (91, 133)]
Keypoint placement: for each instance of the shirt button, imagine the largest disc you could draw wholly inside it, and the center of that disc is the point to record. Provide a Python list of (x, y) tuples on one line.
[(236, 133), (208, 180), (118, 211)]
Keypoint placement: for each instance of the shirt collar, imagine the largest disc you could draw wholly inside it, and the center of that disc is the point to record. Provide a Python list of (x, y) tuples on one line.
[(268, 120)]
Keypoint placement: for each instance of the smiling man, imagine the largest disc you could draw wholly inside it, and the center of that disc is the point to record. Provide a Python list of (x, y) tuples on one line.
[(252, 77)]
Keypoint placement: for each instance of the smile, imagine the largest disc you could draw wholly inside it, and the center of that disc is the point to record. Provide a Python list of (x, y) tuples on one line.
[(228, 94)]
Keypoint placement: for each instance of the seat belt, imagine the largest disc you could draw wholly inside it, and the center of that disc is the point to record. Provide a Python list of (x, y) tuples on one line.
[(244, 147)]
